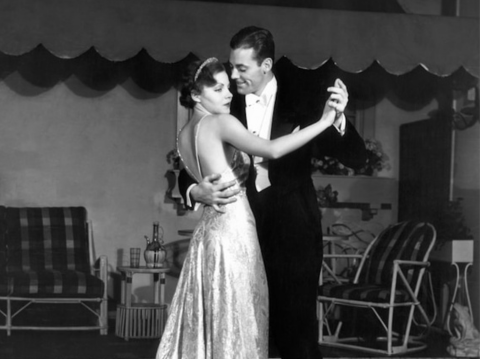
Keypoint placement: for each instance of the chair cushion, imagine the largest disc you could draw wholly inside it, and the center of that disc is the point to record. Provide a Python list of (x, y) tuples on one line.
[(405, 240), (363, 292), (52, 283), (50, 238)]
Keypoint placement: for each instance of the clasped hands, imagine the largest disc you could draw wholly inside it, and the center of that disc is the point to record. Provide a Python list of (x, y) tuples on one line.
[(337, 101)]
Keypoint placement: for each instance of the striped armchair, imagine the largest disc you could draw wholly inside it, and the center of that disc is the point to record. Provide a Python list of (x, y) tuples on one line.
[(47, 257), (383, 296)]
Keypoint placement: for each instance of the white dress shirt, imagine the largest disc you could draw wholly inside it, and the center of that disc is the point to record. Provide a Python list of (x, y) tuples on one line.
[(259, 112)]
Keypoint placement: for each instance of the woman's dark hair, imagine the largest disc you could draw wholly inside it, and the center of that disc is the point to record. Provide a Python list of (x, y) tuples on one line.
[(193, 82), (256, 38)]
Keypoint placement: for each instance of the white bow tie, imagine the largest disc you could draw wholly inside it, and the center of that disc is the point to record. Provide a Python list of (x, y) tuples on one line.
[(252, 99)]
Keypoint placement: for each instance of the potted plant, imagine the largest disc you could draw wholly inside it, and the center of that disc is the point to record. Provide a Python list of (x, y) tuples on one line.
[(377, 160), (173, 158), (326, 196), (454, 241)]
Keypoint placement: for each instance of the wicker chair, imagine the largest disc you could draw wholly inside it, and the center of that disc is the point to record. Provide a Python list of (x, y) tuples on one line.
[(383, 297), (47, 257)]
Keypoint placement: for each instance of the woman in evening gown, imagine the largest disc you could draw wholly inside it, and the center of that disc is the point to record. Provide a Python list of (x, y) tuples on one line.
[(220, 307)]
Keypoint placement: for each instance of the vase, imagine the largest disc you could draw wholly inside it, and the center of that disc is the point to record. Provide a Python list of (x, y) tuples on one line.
[(155, 253)]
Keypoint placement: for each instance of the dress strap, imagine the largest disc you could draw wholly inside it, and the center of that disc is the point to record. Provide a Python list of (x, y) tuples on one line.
[(197, 158)]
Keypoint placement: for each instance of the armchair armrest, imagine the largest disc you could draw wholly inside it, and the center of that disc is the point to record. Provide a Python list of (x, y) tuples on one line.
[(103, 268), (330, 269), (346, 256), (399, 271), (100, 268), (401, 261)]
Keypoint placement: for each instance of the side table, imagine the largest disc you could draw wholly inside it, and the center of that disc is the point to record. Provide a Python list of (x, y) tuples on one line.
[(141, 320), (457, 253)]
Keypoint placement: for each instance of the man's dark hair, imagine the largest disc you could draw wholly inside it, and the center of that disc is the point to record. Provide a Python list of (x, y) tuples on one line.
[(256, 38)]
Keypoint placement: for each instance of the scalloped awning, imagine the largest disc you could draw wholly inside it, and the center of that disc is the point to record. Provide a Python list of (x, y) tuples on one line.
[(171, 29)]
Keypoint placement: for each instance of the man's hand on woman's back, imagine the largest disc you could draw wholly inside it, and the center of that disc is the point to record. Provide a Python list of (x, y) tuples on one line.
[(210, 192)]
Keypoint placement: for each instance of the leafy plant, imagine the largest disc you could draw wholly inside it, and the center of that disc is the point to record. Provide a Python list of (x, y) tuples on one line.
[(331, 166), (173, 158), (449, 222), (377, 160), (326, 196)]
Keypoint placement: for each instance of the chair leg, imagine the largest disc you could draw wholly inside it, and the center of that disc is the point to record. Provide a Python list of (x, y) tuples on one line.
[(320, 313), (9, 317), (332, 329), (104, 303), (103, 318), (390, 331)]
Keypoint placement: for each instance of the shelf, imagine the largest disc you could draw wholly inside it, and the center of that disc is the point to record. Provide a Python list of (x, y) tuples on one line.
[(145, 306)]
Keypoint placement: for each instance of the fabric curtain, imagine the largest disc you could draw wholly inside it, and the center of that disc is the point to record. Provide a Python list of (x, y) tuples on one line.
[(169, 30)]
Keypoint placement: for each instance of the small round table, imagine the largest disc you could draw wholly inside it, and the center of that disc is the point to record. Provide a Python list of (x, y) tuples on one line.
[(141, 320)]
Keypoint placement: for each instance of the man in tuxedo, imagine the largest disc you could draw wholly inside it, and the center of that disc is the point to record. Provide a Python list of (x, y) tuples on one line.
[(281, 192)]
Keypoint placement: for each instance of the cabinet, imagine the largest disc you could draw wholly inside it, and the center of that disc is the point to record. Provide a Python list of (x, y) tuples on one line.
[(425, 168)]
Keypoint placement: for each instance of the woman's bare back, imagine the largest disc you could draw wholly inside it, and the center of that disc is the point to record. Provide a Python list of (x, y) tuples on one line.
[(201, 148)]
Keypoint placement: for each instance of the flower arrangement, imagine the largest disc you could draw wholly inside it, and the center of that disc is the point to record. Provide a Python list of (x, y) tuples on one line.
[(330, 166), (326, 196), (376, 160), (173, 158)]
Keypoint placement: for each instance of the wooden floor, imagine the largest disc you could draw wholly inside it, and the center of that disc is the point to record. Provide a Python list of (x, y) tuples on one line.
[(24, 344)]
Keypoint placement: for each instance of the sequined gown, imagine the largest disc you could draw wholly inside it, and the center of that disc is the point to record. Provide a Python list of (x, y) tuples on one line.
[(220, 307)]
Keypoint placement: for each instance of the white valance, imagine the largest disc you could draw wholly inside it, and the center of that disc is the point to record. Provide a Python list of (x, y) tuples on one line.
[(171, 29)]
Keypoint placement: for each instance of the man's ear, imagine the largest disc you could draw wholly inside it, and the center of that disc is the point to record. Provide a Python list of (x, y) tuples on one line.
[(267, 65)]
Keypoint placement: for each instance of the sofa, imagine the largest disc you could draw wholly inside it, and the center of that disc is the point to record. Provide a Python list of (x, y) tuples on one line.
[(47, 261)]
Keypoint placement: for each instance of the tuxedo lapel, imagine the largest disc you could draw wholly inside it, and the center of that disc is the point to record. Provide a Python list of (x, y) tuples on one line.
[(237, 109), (281, 125), (280, 128)]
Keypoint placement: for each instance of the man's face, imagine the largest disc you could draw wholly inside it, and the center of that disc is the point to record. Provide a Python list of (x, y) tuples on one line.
[(249, 76)]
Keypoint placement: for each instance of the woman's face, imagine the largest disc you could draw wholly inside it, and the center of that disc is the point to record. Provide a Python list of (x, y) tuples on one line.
[(216, 99)]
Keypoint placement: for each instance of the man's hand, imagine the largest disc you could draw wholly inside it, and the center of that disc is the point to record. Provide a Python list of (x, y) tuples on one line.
[(212, 193), (338, 97), (337, 102)]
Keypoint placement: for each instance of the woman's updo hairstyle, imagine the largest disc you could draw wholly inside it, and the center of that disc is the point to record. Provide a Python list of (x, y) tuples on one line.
[(196, 76)]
